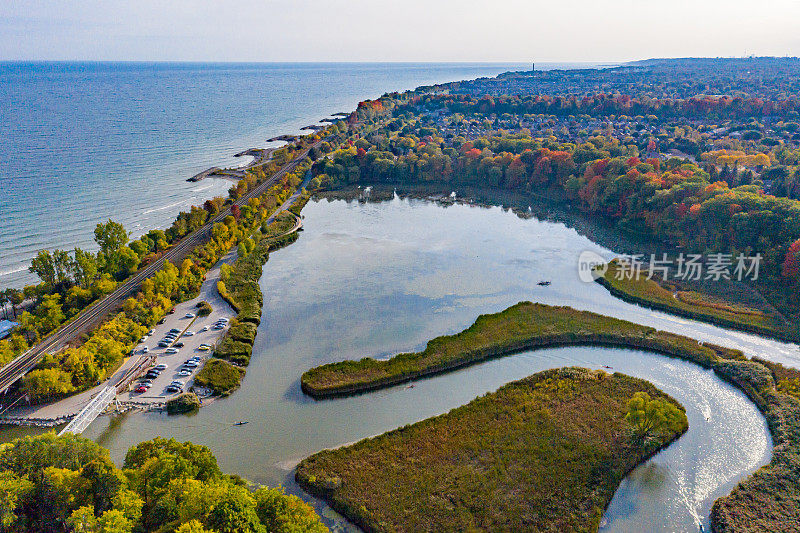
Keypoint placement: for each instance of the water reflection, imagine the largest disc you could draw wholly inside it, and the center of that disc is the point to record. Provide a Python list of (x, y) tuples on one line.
[(377, 279)]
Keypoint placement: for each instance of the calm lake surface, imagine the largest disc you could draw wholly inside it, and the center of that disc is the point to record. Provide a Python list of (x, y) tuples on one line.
[(373, 279)]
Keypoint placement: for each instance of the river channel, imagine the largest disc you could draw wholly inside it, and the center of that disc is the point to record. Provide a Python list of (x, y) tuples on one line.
[(374, 279)]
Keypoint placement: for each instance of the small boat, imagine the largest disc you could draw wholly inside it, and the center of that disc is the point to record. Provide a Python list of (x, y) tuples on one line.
[(606, 366), (240, 423), (409, 386), (544, 283)]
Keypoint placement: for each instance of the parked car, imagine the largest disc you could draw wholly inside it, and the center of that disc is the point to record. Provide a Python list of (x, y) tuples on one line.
[(204, 328), (190, 364), (145, 349), (219, 326), (161, 366), (172, 311), (173, 388), (174, 330), (140, 389), (179, 345), (152, 374), (171, 351), (164, 319), (163, 344), (189, 334), (189, 315), (185, 373), (151, 332), (144, 338), (204, 347)]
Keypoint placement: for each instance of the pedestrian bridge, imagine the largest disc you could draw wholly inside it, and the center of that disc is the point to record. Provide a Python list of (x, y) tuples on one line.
[(88, 414), (103, 399)]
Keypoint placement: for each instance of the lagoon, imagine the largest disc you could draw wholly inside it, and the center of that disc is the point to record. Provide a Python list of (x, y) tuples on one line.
[(373, 279)]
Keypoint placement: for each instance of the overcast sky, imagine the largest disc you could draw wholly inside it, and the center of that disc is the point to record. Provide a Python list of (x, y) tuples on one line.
[(400, 30)]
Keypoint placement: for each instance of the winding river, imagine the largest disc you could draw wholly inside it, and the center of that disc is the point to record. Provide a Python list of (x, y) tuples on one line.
[(373, 279)]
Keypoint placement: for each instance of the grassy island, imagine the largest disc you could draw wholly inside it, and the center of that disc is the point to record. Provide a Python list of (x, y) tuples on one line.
[(766, 501), (545, 453), (523, 326), (693, 304)]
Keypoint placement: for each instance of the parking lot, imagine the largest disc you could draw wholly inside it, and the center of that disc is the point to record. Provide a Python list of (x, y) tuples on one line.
[(157, 392)]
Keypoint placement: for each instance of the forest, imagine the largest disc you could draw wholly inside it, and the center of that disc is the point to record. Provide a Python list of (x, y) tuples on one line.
[(58, 484), (737, 195)]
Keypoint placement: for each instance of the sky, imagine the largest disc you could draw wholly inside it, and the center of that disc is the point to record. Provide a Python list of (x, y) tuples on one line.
[(399, 30)]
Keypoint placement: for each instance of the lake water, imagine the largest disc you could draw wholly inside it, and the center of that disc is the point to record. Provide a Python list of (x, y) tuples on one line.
[(373, 279), (84, 142)]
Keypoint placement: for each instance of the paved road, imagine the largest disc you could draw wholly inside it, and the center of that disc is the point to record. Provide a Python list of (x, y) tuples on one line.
[(93, 315)]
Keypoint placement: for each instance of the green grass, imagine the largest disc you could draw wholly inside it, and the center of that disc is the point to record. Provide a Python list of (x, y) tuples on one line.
[(693, 304), (542, 454), (220, 376), (769, 500)]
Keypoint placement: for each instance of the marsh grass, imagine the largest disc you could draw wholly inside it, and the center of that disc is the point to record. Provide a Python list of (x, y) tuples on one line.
[(693, 304), (545, 453)]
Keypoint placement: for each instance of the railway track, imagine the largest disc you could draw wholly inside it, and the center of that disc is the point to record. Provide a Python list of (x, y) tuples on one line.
[(94, 314)]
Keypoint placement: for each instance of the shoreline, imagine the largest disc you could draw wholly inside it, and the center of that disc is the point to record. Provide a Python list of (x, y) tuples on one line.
[(758, 381), (705, 318), (393, 446)]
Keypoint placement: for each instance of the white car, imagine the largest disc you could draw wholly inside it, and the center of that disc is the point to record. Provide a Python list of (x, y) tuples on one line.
[(204, 328), (145, 349), (143, 339), (184, 373), (171, 351), (188, 315), (151, 332), (188, 334)]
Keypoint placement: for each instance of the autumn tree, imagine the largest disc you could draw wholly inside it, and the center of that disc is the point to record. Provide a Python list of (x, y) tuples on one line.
[(791, 262), (649, 416)]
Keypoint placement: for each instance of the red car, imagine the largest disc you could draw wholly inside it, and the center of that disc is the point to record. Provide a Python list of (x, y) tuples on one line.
[(140, 389)]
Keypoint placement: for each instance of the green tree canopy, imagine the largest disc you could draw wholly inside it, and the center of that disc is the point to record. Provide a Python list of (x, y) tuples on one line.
[(649, 416)]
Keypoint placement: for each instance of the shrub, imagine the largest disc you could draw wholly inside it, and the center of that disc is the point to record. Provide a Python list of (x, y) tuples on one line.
[(234, 351), (204, 308), (185, 403), (219, 376), (243, 332)]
